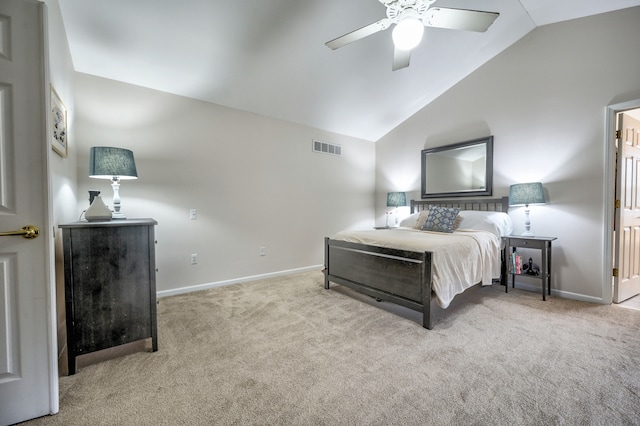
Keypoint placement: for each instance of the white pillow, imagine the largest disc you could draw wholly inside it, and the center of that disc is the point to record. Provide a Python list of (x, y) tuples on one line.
[(415, 220), (497, 223), (410, 221)]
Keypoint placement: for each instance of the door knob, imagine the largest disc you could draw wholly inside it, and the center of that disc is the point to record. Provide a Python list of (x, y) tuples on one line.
[(28, 232)]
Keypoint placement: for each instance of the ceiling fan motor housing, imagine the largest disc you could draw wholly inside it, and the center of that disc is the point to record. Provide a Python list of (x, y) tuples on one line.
[(397, 10)]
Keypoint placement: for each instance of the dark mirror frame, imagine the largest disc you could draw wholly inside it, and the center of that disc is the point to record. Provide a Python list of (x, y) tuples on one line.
[(488, 142)]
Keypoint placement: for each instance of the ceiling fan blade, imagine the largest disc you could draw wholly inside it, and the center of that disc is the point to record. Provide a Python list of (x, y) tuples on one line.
[(400, 59), (459, 19), (363, 32)]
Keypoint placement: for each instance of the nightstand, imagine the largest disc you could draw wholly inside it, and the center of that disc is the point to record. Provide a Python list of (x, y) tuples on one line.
[(511, 243)]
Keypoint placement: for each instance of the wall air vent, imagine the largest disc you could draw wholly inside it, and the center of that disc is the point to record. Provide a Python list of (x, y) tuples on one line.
[(327, 148)]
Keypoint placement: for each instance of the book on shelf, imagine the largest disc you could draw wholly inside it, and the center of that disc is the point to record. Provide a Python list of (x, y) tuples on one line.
[(516, 263)]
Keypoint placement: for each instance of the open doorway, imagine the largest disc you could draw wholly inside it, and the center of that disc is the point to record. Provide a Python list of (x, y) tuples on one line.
[(623, 144)]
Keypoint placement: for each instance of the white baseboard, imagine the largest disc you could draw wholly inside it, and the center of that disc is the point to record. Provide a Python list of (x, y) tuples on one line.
[(519, 285), (198, 287), (558, 293)]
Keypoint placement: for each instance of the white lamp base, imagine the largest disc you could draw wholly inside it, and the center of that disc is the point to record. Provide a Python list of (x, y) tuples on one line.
[(115, 184), (527, 223)]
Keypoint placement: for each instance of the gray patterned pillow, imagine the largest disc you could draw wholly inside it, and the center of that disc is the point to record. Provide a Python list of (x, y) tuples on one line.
[(441, 219)]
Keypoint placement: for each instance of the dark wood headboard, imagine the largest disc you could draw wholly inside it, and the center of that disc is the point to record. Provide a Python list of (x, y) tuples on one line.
[(481, 204)]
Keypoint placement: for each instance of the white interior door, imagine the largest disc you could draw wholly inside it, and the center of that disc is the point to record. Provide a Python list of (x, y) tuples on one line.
[(28, 375), (627, 236)]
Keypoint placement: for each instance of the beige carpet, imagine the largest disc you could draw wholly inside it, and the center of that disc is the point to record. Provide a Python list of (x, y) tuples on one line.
[(287, 351)]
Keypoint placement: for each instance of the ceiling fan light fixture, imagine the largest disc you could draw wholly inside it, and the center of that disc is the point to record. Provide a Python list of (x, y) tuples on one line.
[(407, 33)]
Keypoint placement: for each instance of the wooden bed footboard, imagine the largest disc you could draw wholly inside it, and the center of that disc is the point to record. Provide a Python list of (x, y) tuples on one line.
[(398, 276)]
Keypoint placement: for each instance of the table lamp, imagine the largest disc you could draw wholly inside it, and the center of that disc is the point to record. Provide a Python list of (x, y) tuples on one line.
[(115, 164), (396, 199), (526, 194)]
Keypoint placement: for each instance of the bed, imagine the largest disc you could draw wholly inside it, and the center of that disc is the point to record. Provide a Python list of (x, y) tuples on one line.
[(388, 265)]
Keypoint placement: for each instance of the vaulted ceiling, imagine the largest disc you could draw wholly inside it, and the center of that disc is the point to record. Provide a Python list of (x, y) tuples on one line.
[(269, 56)]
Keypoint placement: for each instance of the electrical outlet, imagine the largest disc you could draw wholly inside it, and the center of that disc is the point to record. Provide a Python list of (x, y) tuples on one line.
[(194, 259), (193, 214), (263, 251)]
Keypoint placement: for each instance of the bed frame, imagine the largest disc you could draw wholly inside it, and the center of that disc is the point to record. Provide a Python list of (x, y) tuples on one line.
[(398, 276)]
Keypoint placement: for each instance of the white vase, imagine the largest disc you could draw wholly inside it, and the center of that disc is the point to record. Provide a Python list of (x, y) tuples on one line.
[(98, 210)]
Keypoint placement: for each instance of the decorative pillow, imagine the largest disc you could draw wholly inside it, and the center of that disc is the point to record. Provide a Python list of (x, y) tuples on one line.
[(421, 219), (441, 219)]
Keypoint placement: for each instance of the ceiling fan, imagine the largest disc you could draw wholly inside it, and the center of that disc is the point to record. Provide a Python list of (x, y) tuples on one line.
[(410, 17)]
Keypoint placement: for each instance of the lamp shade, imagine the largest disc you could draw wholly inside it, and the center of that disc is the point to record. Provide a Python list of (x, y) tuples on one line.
[(107, 162), (526, 194), (396, 199)]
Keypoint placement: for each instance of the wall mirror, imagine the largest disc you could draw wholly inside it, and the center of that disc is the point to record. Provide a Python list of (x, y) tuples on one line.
[(458, 170)]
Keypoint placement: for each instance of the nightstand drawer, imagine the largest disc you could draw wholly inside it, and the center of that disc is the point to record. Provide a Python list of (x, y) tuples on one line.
[(524, 243)]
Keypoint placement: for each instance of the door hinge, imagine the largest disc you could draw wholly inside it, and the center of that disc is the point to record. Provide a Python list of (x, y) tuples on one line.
[(618, 134), (617, 204), (615, 272)]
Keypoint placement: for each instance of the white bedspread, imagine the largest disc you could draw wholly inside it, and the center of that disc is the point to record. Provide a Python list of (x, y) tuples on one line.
[(460, 259)]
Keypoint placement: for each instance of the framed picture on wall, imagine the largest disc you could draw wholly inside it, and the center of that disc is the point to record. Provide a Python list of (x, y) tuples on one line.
[(59, 137)]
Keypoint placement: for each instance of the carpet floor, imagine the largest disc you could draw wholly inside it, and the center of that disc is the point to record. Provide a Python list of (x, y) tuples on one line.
[(285, 351)]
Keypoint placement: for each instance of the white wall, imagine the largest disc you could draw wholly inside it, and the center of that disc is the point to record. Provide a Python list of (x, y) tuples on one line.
[(62, 171), (544, 101), (61, 75), (253, 180)]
